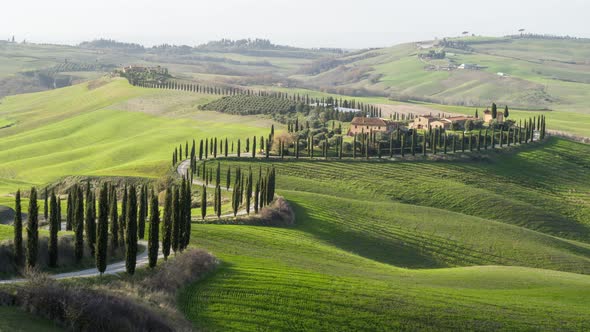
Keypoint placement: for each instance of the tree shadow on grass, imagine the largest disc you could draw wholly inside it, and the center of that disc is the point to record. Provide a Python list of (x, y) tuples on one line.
[(382, 249)]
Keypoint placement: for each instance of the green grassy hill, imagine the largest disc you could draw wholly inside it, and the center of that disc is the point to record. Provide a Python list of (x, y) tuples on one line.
[(369, 234), (105, 127)]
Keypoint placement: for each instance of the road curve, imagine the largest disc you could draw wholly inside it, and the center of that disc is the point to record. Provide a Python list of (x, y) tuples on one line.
[(114, 268)]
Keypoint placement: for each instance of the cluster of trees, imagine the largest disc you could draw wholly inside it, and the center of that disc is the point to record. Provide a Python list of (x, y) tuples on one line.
[(249, 104), (105, 227), (244, 191), (432, 54)]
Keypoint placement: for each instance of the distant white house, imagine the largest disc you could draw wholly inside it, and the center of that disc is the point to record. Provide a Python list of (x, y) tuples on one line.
[(470, 66), (341, 109)]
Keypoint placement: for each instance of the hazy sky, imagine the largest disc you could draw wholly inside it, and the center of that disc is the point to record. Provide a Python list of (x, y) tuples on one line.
[(307, 23)]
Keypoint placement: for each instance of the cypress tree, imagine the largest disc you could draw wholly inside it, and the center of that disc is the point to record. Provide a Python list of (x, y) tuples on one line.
[(142, 213), (248, 191), (236, 195), (228, 178), (181, 214), (90, 221), (114, 219), (154, 236), (123, 219), (167, 225), (239, 149), (53, 220), (204, 202), (131, 232), (201, 150), (175, 220), (102, 236), (256, 195), (218, 200), (424, 145), (33, 230), (226, 148), (46, 206), (494, 111), (18, 230), (187, 215), (70, 212), (59, 213), (218, 175), (79, 225), (254, 147)]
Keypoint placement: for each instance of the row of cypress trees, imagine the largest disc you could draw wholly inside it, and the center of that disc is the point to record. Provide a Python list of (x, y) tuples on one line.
[(367, 145), (96, 229), (212, 147)]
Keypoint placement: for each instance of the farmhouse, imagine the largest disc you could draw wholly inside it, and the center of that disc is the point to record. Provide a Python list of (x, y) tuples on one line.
[(365, 125), (487, 117), (428, 121)]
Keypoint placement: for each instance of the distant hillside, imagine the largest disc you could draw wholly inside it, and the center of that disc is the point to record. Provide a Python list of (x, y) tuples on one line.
[(534, 72)]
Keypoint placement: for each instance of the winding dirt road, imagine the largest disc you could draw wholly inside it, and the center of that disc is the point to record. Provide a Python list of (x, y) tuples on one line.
[(114, 268)]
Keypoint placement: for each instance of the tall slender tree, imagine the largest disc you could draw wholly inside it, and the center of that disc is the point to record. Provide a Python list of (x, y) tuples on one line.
[(53, 220), (46, 206), (204, 202), (131, 232), (175, 220), (79, 224), (153, 235), (90, 221), (123, 219), (114, 219), (102, 229), (167, 224), (70, 212), (142, 213), (187, 215), (18, 230), (33, 230)]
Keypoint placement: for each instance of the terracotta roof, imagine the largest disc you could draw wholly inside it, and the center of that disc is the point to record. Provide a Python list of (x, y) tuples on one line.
[(362, 121), (487, 112)]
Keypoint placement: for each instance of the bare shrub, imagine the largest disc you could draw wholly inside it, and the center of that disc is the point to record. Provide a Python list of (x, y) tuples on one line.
[(278, 213), (188, 267), (81, 309)]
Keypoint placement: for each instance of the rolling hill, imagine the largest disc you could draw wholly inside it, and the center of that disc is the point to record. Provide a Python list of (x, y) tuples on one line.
[(499, 242), (537, 73)]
